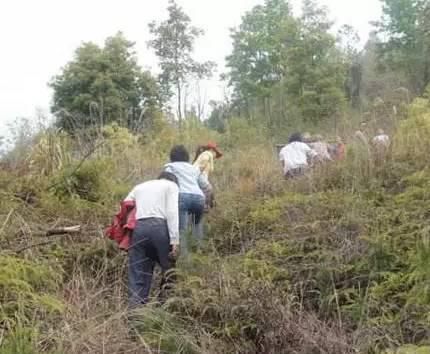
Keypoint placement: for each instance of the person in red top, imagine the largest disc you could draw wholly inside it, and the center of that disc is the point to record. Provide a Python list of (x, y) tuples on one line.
[(340, 149)]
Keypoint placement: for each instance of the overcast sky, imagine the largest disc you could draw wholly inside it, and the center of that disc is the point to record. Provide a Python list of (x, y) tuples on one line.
[(39, 37)]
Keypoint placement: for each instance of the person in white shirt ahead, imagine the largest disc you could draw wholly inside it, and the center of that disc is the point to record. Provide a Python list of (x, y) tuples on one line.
[(295, 156), (321, 148), (156, 235), (381, 140)]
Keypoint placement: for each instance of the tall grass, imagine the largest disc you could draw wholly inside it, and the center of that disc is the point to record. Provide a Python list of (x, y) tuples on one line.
[(334, 262)]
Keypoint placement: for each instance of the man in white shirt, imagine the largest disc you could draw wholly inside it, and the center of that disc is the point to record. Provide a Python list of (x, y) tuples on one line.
[(381, 140), (295, 156), (156, 235)]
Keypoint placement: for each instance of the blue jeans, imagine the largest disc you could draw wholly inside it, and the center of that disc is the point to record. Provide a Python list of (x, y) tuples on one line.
[(190, 205)]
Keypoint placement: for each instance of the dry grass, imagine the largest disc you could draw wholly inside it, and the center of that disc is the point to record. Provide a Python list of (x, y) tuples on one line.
[(275, 277)]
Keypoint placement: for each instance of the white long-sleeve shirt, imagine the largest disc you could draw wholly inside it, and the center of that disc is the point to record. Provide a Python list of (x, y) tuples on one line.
[(158, 199), (295, 155), (381, 140)]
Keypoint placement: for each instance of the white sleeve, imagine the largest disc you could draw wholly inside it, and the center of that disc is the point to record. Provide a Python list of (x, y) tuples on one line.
[(131, 195), (281, 155), (309, 151), (172, 213)]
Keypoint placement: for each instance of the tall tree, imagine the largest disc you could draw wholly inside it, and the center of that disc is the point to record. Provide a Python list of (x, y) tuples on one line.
[(219, 115), (315, 72), (348, 40), (256, 61), (380, 80), (405, 25), (288, 65), (174, 44), (103, 85)]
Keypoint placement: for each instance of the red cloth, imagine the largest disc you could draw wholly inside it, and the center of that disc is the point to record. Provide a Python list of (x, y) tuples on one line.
[(123, 224), (213, 146), (340, 151)]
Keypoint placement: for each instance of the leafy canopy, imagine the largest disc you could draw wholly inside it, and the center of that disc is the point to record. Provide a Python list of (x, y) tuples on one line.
[(103, 85), (173, 42)]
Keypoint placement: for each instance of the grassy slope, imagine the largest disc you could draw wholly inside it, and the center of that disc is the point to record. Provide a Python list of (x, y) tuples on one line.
[(337, 262)]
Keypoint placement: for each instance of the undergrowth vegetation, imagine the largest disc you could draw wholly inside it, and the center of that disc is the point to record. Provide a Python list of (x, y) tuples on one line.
[(334, 262)]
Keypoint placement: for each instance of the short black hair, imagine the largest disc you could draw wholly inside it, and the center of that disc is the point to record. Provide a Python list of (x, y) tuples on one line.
[(296, 137), (179, 153), (168, 176)]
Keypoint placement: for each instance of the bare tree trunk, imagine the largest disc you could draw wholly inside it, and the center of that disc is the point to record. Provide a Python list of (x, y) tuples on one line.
[(201, 102), (185, 95), (179, 88)]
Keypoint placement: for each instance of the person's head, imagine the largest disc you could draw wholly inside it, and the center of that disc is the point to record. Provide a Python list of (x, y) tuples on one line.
[(294, 138), (169, 177), (179, 154), (318, 137), (339, 140), (306, 137), (380, 132), (214, 148)]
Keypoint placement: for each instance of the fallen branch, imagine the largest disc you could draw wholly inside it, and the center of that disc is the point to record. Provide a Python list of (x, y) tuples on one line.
[(33, 245), (6, 221), (58, 231), (64, 230)]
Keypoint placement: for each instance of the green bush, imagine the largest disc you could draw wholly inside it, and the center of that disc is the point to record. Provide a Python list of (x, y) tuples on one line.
[(28, 290), (163, 330)]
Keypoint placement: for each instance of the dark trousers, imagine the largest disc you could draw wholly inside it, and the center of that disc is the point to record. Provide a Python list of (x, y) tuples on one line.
[(150, 244), (295, 172)]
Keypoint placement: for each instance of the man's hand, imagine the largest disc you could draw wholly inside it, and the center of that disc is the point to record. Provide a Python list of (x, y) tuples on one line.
[(174, 251)]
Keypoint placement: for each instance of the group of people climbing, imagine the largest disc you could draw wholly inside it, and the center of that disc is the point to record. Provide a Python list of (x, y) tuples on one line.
[(154, 218), (157, 214), (304, 151)]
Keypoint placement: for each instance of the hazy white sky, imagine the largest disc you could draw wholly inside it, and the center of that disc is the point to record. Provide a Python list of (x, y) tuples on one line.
[(39, 37)]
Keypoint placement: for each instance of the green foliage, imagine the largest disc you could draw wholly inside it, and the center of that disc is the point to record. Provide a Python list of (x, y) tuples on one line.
[(255, 63), (25, 340), (409, 349), (287, 66), (91, 181), (103, 85), (411, 139), (50, 153), (335, 262), (220, 112), (85, 182), (365, 248), (405, 25), (163, 330), (20, 341), (25, 289), (173, 44), (240, 132)]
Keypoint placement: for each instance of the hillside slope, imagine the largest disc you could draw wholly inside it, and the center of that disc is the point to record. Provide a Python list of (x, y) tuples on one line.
[(336, 262)]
